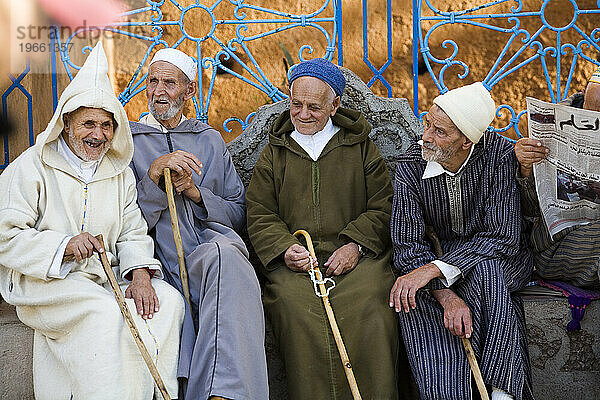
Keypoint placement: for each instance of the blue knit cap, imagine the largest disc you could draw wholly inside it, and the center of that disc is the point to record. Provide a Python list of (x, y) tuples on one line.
[(322, 69)]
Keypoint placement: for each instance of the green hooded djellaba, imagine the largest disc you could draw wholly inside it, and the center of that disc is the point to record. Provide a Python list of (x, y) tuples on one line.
[(344, 196)]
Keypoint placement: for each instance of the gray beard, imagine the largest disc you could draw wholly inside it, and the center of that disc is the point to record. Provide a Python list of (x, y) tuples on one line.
[(438, 156), (174, 108)]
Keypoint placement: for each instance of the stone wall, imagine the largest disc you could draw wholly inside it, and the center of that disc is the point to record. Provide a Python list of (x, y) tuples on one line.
[(565, 365)]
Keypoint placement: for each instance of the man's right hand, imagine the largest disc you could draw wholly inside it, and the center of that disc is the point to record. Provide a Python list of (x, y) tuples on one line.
[(297, 258), (529, 151), (180, 162), (457, 316), (404, 291), (82, 246)]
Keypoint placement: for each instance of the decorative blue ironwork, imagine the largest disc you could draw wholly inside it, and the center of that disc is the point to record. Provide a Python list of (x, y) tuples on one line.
[(229, 50), (326, 19), (16, 84), (378, 73), (506, 62), (243, 123), (338, 23), (530, 48)]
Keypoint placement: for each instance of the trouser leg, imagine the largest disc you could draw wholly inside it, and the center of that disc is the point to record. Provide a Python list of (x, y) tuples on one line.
[(229, 356)]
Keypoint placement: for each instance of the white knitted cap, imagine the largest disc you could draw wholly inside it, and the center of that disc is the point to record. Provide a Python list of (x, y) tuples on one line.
[(470, 107), (178, 58)]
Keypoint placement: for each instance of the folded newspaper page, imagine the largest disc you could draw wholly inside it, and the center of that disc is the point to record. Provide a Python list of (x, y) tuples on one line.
[(568, 180)]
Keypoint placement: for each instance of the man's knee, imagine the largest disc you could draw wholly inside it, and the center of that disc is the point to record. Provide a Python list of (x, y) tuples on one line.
[(485, 273), (232, 251), (168, 297), (100, 313), (235, 263)]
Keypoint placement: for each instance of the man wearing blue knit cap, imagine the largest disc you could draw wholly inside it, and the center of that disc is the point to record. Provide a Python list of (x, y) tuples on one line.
[(321, 172)]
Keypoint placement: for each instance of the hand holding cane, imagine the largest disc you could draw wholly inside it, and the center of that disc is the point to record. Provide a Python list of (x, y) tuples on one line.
[(331, 317), (437, 250), (112, 280), (177, 237)]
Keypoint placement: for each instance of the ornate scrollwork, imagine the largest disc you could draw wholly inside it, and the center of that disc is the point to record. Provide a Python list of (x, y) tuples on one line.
[(230, 49), (510, 59)]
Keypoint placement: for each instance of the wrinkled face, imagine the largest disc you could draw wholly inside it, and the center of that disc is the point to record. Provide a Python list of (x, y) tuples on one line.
[(89, 132), (442, 140), (167, 88), (312, 102), (591, 99)]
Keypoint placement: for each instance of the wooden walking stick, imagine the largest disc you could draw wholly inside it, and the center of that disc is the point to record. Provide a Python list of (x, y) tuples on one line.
[(475, 368), (437, 250), (177, 237), (331, 317), (112, 280)]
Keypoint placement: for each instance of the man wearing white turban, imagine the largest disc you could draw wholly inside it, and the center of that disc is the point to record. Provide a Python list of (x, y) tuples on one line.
[(222, 345), (459, 252), (75, 183)]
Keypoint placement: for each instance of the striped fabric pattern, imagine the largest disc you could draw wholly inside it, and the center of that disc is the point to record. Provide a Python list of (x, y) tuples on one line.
[(493, 258), (574, 254)]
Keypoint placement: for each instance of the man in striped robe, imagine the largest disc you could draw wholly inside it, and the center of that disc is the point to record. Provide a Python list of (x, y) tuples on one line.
[(464, 188), (573, 254)]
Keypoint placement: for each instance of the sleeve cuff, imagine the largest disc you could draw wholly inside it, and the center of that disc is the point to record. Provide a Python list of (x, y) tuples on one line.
[(450, 272), (148, 190), (59, 269), (200, 209), (278, 250), (153, 270)]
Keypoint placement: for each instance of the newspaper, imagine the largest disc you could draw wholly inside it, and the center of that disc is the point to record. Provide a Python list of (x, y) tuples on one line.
[(568, 180)]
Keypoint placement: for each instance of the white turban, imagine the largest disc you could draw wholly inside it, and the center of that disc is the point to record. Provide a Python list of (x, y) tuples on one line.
[(470, 107), (178, 58)]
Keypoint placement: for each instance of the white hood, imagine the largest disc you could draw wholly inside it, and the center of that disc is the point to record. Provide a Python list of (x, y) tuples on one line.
[(90, 88)]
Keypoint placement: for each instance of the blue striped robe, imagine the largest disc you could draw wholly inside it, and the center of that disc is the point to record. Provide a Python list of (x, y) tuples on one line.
[(477, 217)]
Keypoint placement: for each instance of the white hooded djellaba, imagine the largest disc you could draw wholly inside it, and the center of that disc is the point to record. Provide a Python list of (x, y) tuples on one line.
[(82, 346)]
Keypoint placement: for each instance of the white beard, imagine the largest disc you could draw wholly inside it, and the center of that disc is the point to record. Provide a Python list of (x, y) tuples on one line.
[(79, 148), (174, 107), (436, 154)]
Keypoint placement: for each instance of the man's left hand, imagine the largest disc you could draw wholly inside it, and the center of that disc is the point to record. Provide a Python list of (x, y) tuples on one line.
[(142, 292), (402, 295), (184, 184), (457, 315), (343, 260)]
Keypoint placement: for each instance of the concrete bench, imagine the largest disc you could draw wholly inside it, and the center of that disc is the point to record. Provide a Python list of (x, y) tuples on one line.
[(565, 365), (16, 348)]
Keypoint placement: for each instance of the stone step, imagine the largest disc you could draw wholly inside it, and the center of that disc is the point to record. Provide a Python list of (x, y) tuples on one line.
[(565, 365), (16, 344)]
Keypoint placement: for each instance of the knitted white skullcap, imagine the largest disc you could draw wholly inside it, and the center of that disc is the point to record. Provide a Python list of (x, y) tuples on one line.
[(470, 107), (178, 58)]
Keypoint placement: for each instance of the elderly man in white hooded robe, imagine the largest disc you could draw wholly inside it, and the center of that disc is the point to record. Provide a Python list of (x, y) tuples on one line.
[(73, 184)]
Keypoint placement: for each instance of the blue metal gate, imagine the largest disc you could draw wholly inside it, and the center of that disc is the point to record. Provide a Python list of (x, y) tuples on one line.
[(521, 48)]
